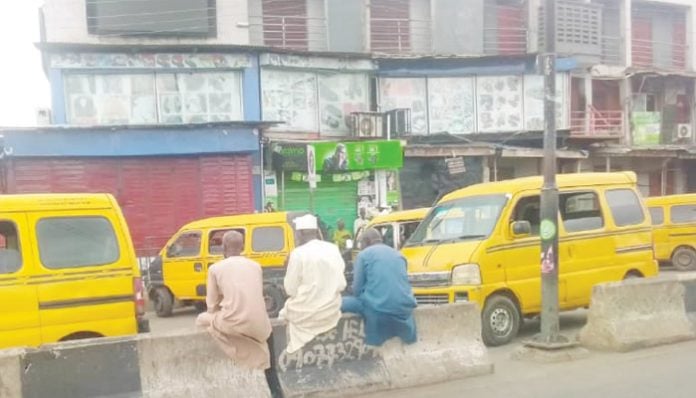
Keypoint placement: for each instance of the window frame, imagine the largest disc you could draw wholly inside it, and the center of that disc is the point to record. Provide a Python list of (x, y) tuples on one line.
[(241, 230), (200, 245), (262, 227), (597, 198), (93, 28), (120, 253), (14, 225), (671, 214), (514, 211), (607, 192)]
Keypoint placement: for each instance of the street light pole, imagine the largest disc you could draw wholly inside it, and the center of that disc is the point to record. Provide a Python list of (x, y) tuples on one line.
[(549, 192)]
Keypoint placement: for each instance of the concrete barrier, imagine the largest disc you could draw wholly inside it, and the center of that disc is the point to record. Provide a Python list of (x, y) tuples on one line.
[(630, 315), (190, 364), (174, 366), (10, 374), (338, 362)]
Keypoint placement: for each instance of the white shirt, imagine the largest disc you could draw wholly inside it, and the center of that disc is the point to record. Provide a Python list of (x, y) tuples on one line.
[(314, 282), (359, 223)]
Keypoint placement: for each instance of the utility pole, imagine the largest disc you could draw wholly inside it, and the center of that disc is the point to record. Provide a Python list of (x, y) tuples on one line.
[(550, 331)]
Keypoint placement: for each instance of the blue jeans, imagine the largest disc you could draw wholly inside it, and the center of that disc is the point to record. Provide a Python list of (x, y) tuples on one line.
[(380, 327)]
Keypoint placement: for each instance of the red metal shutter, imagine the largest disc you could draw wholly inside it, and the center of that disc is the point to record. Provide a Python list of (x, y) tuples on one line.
[(679, 43), (157, 195), (512, 33), (641, 45), (285, 23)]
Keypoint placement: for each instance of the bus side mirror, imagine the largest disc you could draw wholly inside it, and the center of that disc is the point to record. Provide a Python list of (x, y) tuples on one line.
[(521, 229)]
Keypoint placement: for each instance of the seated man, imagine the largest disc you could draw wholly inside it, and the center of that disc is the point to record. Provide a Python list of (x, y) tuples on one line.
[(236, 316), (383, 295), (313, 282)]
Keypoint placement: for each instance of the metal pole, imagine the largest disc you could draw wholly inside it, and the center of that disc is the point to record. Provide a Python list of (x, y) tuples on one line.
[(549, 192)]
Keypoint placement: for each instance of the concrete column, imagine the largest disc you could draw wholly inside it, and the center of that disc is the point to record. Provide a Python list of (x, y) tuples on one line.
[(58, 105), (588, 102), (626, 103), (533, 25), (627, 32), (251, 89)]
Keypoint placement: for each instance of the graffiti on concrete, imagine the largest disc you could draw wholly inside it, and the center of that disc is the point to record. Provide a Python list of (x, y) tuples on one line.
[(344, 343)]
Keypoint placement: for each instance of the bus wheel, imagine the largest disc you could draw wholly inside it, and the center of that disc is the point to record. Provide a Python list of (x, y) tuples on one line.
[(684, 259), (500, 320), (163, 302)]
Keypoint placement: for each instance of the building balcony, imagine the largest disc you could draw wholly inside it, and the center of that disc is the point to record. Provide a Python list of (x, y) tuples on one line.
[(289, 32), (597, 124), (400, 36), (659, 54)]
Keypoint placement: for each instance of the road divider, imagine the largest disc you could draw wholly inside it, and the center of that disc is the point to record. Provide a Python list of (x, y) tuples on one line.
[(639, 313), (338, 362)]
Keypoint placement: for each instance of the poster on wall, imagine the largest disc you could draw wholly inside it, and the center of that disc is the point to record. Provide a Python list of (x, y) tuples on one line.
[(646, 128), (451, 102), (337, 157), (499, 103), (290, 97), (534, 102), (406, 93), (339, 95)]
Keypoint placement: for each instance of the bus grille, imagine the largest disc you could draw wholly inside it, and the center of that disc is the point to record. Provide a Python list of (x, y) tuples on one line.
[(423, 299)]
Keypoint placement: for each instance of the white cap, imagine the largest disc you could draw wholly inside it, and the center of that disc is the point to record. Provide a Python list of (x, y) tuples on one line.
[(307, 221)]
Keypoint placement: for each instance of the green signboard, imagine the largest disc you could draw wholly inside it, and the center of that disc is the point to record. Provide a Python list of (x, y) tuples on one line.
[(646, 128), (337, 157)]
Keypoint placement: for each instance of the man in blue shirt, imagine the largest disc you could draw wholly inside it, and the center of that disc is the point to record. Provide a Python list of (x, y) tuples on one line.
[(383, 295)]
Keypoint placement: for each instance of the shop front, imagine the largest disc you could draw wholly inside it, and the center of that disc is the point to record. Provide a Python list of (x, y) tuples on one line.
[(334, 179)]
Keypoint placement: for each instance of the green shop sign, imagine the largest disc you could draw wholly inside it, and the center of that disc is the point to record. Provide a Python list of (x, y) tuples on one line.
[(646, 128), (337, 157)]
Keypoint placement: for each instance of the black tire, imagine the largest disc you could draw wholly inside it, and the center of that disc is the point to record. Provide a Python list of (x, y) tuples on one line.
[(275, 299), (500, 321), (684, 259), (163, 302), (200, 306)]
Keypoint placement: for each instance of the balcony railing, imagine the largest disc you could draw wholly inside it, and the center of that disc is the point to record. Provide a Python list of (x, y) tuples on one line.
[(504, 41), (400, 35), (593, 123), (648, 53), (290, 32)]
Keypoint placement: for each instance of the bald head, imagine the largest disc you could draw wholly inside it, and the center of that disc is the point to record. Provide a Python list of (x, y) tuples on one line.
[(370, 237), (232, 243)]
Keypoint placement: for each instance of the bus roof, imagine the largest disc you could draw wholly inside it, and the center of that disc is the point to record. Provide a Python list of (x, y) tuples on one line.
[(671, 199), (47, 202), (403, 215), (243, 219), (531, 183)]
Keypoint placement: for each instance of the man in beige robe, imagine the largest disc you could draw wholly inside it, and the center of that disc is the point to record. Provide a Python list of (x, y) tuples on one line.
[(314, 281), (236, 315)]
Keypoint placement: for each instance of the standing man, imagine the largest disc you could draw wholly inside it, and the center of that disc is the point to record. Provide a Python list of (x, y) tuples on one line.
[(314, 282), (341, 235), (236, 316), (383, 295), (360, 222)]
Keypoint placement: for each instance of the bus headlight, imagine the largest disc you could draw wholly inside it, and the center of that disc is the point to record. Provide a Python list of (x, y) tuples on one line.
[(466, 274)]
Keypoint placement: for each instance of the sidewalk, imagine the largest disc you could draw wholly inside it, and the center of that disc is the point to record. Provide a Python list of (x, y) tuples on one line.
[(667, 371)]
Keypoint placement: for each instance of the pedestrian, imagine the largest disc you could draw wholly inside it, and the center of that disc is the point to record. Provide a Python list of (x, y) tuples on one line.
[(341, 235), (236, 316), (383, 295), (313, 282), (269, 208), (360, 222)]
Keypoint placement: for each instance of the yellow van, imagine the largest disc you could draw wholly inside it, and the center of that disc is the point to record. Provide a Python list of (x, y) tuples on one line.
[(67, 270), (396, 227), (482, 244), (674, 229), (180, 271)]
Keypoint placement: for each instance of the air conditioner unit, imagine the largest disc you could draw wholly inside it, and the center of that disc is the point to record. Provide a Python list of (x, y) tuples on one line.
[(684, 133), (398, 122), (366, 124)]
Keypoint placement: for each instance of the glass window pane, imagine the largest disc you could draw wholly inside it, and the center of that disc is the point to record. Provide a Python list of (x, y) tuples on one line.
[(409, 93), (580, 211), (186, 245), (657, 214), (625, 207), (10, 254), (71, 242), (268, 239), (215, 239), (290, 97), (339, 95), (451, 104), (527, 209), (683, 214)]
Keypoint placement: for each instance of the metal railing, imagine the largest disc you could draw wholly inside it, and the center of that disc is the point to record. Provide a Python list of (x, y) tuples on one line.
[(505, 41), (594, 123), (400, 35), (290, 32), (643, 52)]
